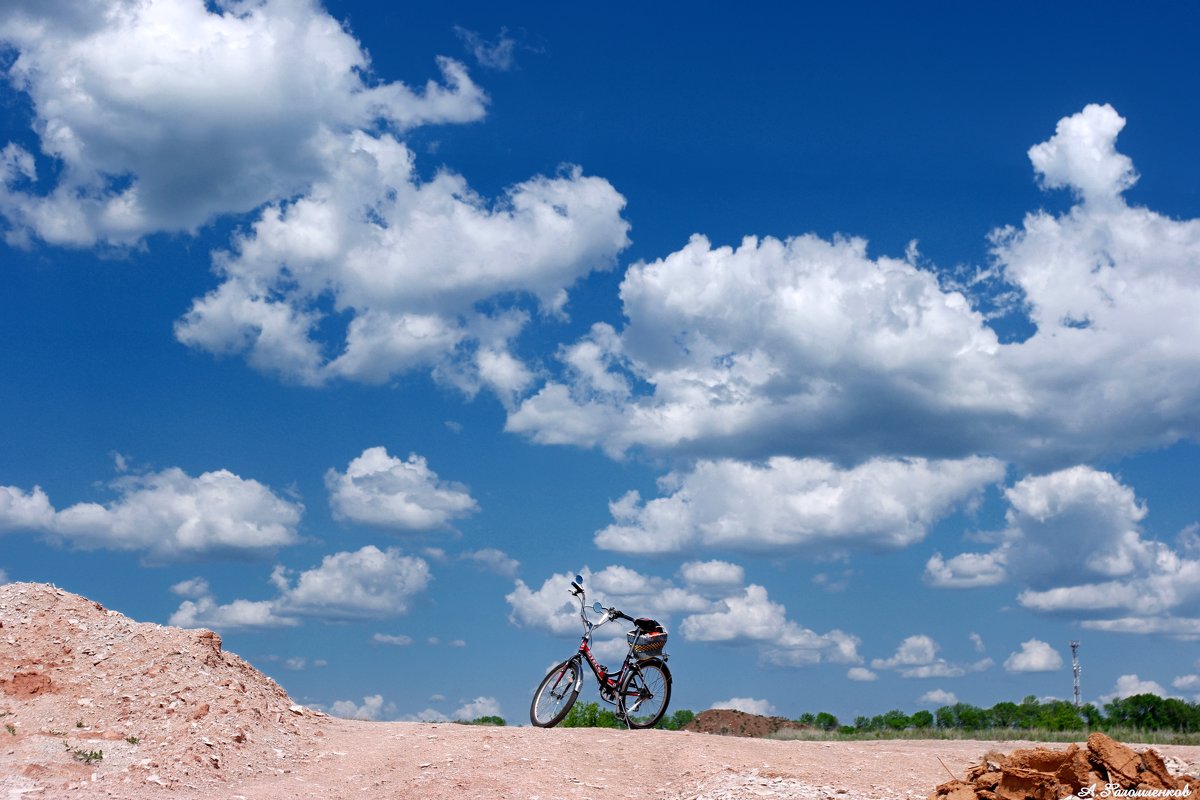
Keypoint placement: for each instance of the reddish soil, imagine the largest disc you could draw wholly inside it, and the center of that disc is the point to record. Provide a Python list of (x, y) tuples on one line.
[(175, 716), (728, 722)]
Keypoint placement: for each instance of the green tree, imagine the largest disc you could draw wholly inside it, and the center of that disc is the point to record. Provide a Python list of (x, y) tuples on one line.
[(971, 718), (589, 715), (922, 719), (1141, 711), (1027, 712), (946, 718), (1005, 715), (1059, 715), (896, 720), (489, 720), (1091, 716), (826, 721)]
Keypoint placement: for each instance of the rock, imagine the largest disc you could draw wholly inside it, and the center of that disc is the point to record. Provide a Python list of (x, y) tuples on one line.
[(1046, 774)]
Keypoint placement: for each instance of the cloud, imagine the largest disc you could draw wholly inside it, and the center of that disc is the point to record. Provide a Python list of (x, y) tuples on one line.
[(754, 617), (428, 715), (479, 707), (151, 117), (549, 607), (977, 642), (381, 490), (1035, 656), (372, 708), (1129, 685), (365, 584), (861, 674), (938, 697), (807, 347), (499, 55), (493, 560), (1186, 682), (748, 704), (192, 587), (712, 576), (917, 657), (407, 267), (914, 650), (21, 510), (169, 515), (3, 577), (397, 640), (163, 115), (205, 612), (1073, 543), (796, 505), (1081, 156), (966, 570)]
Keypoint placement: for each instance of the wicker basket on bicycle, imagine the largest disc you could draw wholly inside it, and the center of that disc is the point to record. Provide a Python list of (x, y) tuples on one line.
[(648, 639)]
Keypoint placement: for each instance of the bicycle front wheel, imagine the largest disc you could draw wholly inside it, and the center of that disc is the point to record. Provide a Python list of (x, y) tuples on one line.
[(644, 694), (555, 695)]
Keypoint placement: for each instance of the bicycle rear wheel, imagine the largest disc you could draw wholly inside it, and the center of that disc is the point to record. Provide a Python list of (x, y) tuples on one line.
[(644, 694), (555, 695)]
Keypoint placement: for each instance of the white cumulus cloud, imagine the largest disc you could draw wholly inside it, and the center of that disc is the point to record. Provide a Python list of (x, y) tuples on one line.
[(372, 708), (938, 697), (753, 617), (1129, 685), (493, 560), (162, 115), (1034, 656), (748, 704), (368, 583), (167, 515), (796, 504), (809, 347), (861, 674), (917, 657), (1074, 544), (479, 707), (382, 490)]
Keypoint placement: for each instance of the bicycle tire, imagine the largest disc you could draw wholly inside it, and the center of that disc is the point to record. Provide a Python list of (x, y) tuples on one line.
[(559, 690), (649, 682)]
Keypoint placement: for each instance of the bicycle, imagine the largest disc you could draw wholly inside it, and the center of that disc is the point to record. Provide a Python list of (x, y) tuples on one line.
[(640, 689)]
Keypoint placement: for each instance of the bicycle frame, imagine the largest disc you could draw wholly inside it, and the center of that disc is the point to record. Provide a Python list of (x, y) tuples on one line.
[(639, 679), (607, 682)]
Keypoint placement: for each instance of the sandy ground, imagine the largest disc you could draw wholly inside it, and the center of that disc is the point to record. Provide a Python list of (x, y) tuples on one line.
[(93, 704), (433, 761)]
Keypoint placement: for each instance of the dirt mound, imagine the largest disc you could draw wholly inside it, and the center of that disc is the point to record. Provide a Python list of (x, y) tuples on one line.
[(728, 722), (81, 686), (1043, 774)]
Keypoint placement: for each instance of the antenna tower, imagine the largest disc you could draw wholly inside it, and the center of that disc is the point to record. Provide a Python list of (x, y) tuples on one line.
[(1075, 669)]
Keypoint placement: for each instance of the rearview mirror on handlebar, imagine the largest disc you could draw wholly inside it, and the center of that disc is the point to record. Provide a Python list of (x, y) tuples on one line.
[(599, 609), (579, 579)]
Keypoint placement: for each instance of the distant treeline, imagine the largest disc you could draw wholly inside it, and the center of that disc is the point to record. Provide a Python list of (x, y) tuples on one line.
[(1144, 712), (1140, 712)]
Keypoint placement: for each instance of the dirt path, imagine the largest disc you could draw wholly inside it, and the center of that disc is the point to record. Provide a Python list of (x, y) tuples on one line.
[(431, 762)]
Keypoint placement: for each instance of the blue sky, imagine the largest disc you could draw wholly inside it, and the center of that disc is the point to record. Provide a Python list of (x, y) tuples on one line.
[(858, 345)]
